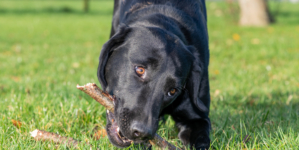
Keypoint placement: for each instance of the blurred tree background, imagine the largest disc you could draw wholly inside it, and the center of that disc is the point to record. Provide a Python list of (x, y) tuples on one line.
[(254, 13)]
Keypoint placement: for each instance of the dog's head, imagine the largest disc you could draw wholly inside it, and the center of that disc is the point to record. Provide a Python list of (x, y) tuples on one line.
[(146, 68)]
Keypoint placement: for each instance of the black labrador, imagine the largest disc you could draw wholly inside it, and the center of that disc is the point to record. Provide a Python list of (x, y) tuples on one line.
[(156, 63)]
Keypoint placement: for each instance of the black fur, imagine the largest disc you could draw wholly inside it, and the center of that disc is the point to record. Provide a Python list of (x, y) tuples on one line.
[(169, 39)]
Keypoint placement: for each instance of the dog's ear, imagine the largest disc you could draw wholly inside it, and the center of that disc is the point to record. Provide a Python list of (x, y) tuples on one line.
[(107, 49), (194, 80)]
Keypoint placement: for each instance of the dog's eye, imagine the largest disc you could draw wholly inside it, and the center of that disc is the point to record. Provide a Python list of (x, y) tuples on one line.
[(172, 92), (139, 70)]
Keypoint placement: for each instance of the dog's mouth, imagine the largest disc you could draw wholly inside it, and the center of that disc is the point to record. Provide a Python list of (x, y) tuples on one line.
[(115, 134)]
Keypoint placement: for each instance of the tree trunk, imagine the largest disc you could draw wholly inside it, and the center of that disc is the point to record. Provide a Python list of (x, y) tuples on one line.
[(86, 5), (254, 13)]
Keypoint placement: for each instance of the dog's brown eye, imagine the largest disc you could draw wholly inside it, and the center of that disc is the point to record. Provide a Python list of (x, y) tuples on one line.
[(171, 92), (139, 70)]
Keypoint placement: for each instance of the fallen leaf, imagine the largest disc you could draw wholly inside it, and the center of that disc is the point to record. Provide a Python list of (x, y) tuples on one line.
[(16, 123), (99, 133), (236, 37)]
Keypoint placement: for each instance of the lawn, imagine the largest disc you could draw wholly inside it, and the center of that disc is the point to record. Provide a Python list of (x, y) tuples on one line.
[(47, 47)]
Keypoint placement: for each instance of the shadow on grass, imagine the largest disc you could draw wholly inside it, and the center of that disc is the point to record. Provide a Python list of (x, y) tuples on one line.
[(52, 10)]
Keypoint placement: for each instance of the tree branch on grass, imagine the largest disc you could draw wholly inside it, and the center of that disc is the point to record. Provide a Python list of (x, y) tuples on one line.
[(40, 135)]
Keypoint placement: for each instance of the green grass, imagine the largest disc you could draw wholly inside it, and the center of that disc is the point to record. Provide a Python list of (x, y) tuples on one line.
[(46, 48)]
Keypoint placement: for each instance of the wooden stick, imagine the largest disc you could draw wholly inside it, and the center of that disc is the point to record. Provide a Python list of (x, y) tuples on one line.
[(97, 94), (40, 135), (107, 101)]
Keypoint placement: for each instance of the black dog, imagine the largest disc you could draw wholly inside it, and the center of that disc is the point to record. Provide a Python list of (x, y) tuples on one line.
[(156, 63)]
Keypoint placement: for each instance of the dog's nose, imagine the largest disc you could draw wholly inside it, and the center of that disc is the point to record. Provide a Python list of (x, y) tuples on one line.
[(141, 131)]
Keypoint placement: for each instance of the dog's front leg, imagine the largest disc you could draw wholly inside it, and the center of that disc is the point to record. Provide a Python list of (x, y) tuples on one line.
[(195, 133)]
